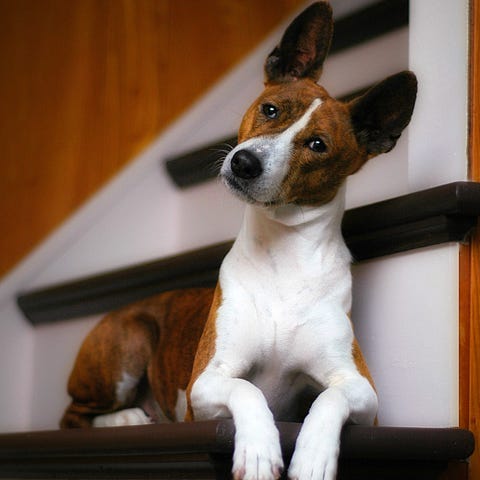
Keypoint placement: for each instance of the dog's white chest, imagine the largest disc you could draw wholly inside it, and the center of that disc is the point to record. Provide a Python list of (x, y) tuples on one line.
[(291, 264), (286, 295)]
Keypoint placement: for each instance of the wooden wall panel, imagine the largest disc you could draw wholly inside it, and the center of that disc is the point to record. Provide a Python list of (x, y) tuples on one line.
[(470, 266), (86, 84)]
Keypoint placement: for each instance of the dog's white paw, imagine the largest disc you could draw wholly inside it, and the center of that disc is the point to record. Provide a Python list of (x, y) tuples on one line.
[(257, 454), (315, 460), (122, 418)]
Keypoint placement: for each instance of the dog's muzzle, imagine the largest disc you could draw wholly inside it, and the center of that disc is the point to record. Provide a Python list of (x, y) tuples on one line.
[(254, 170)]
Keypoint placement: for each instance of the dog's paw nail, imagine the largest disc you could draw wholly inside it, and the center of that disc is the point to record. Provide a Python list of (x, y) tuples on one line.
[(254, 460), (319, 463), (238, 474)]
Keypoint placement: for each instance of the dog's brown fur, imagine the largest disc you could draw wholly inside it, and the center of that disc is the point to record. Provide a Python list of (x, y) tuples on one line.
[(162, 335)]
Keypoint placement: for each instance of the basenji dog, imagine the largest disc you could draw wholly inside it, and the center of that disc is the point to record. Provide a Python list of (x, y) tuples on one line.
[(277, 325)]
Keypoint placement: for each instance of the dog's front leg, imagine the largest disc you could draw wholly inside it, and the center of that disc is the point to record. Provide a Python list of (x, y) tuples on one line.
[(349, 398), (257, 453)]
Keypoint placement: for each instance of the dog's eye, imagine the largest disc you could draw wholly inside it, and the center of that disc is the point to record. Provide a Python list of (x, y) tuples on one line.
[(316, 145), (269, 110)]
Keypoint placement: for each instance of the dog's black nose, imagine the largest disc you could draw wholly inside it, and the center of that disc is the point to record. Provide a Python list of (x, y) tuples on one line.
[(246, 165)]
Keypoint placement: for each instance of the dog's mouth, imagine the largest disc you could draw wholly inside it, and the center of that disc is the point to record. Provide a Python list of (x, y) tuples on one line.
[(243, 192), (238, 189)]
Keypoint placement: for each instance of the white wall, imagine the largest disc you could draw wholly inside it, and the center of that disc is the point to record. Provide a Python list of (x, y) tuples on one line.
[(405, 312), (16, 360), (439, 55), (141, 216)]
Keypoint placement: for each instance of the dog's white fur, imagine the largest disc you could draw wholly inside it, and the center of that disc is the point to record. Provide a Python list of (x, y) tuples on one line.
[(279, 323), (284, 324)]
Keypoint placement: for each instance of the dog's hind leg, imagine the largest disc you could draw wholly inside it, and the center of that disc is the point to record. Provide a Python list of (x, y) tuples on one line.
[(111, 364)]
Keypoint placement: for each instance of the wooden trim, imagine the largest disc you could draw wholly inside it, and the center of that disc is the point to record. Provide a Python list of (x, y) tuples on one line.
[(469, 294), (469, 337), (202, 164), (204, 449), (441, 214), (474, 92), (369, 23)]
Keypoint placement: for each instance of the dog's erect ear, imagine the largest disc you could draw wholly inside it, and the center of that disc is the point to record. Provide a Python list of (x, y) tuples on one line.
[(303, 48), (380, 115)]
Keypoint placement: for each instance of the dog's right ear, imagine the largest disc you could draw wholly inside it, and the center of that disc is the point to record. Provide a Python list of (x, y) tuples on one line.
[(303, 47), (380, 115)]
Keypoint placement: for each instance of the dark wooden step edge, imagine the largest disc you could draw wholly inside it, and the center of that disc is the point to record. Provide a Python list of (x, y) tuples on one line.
[(175, 450), (202, 164), (441, 214)]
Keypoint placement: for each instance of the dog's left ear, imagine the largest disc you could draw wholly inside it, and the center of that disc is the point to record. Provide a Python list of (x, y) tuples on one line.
[(380, 115), (303, 47)]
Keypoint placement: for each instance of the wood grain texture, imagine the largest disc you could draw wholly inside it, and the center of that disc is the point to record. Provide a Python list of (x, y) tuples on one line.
[(470, 265), (86, 84)]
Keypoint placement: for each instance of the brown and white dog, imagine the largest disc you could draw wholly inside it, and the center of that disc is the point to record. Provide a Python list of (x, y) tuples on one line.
[(277, 324)]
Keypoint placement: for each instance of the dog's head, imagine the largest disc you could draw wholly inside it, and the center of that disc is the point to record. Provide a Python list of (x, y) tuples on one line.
[(297, 144)]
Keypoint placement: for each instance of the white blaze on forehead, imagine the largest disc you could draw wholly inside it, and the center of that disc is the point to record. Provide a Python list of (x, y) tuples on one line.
[(302, 122), (279, 160)]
